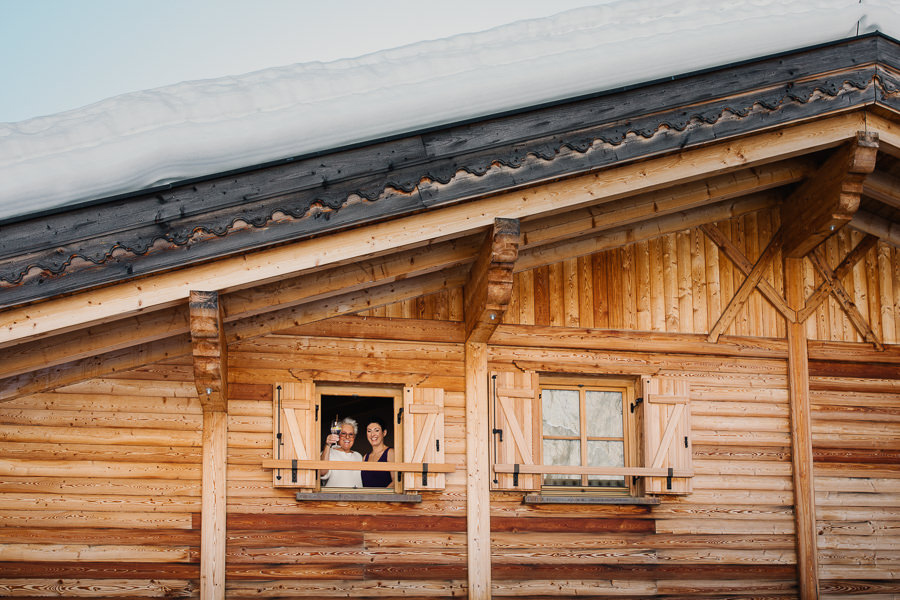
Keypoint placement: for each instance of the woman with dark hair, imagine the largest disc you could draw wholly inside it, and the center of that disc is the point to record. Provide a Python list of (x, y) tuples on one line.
[(375, 432)]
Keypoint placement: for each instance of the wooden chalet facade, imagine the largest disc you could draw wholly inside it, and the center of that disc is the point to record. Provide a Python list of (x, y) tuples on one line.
[(719, 251)]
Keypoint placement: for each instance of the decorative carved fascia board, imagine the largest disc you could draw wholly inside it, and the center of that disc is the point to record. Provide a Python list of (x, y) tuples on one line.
[(233, 213)]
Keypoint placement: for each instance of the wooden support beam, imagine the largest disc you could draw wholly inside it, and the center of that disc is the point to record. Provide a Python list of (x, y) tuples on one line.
[(172, 288), (883, 229), (843, 298), (646, 230), (490, 284), (740, 261), (747, 287), (213, 505), (829, 198), (652, 205), (343, 304), (42, 380), (209, 350), (822, 290), (478, 505), (801, 438), (883, 187)]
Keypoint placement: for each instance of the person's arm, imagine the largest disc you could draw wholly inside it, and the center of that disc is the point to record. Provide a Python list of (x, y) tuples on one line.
[(326, 454), (390, 458)]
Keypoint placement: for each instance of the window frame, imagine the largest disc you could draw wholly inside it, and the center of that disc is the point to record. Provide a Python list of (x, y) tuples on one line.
[(394, 392), (628, 386)]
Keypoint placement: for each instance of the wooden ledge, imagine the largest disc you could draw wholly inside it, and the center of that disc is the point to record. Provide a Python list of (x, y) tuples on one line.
[(357, 497), (588, 499)]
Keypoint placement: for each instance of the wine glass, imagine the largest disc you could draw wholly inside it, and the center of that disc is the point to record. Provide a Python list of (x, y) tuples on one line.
[(335, 429)]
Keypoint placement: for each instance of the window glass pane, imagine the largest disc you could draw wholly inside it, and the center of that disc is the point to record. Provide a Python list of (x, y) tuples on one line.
[(562, 452), (604, 413), (560, 413), (605, 454)]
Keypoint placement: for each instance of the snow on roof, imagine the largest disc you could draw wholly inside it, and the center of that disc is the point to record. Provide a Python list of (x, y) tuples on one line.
[(141, 140)]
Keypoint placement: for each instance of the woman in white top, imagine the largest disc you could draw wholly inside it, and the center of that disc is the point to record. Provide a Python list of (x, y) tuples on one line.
[(339, 447)]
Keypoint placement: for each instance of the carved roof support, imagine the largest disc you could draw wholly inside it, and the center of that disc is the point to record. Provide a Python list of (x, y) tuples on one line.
[(490, 284), (829, 198), (209, 350)]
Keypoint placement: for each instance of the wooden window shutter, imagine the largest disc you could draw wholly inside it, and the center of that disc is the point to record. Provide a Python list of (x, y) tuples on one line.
[(667, 432), (423, 435), (515, 417), (296, 420)]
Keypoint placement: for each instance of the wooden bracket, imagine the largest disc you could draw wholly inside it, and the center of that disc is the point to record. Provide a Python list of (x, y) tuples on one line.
[(829, 198), (490, 284), (747, 287), (209, 350)]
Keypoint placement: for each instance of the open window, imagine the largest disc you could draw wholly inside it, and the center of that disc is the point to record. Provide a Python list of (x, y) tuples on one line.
[(601, 435), (304, 411)]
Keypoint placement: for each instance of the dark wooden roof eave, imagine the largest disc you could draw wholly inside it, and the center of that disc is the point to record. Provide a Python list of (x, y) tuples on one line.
[(198, 221)]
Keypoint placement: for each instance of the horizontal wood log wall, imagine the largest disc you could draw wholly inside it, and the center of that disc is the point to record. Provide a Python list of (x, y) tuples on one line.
[(98, 486), (856, 445), (681, 283)]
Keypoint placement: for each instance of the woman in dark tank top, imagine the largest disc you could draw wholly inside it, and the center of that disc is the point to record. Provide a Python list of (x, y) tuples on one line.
[(375, 432)]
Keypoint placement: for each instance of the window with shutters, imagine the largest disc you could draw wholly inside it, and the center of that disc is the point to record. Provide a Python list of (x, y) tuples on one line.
[(623, 436), (587, 425), (303, 413)]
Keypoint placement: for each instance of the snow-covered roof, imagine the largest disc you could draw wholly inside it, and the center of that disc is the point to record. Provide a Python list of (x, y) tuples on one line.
[(146, 139)]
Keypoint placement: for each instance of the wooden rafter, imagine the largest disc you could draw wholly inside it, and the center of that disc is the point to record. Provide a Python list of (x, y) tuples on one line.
[(209, 350), (489, 288), (821, 292), (840, 294), (883, 187), (829, 198), (179, 344), (747, 287), (347, 281), (886, 231), (634, 209), (741, 262)]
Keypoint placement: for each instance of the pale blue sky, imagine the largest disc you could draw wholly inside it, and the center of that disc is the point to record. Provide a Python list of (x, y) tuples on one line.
[(62, 54)]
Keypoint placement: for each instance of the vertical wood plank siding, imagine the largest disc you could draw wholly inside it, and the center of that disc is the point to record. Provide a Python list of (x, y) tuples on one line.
[(680, 283)]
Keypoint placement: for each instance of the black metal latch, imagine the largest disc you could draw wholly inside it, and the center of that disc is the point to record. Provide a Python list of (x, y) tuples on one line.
[(669, 479), (516, 475), (496, 431), (424, 474), (637, 401)]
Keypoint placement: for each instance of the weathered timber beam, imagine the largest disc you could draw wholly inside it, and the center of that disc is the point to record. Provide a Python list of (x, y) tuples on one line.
[(631, 210), (741, 262), (147, 327), (478, 466), (343, 304), (747, 287), (801, 438), (42, 380), (91, 341), (822, 290), (209, 350), (829, 198), (50, 378), (882, 187), (172, 288), (887, 231), (213, 505), (622, 236), (843, 298), (489, 287)]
